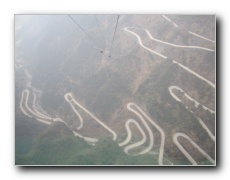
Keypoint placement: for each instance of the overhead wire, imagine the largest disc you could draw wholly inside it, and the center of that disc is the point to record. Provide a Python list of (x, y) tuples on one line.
[(114, 33), (84, 31), (98, 26)]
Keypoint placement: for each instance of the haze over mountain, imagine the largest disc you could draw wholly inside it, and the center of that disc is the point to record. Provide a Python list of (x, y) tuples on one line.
[(146, 98)]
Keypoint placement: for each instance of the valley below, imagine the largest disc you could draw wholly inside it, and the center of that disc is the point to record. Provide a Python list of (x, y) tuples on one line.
[(115, 90)]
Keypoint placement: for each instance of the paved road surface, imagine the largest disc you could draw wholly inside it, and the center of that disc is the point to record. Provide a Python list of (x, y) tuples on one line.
[(188, 156), (92, 115)]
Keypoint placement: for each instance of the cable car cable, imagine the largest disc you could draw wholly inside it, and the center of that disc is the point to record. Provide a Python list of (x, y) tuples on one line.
[(84, 31), (115, 30), (114, 34), (98, 26)]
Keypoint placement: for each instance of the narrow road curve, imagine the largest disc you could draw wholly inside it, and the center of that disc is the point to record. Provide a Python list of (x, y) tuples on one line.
[(189, 97), (161, 55), (77, 113), (164, 42), (187, 155), (35, 109), (201, 36), (43, 121), (174, 24), (175, 45), (166, 18), (127, 140), (194, 73), (161, 152), (140, 42), (43, 118), (89, 113), (198, 118), (88, 139), (21, 105), (30, 110), (151, 138), (60, 120), (26, 91), (38, 117)]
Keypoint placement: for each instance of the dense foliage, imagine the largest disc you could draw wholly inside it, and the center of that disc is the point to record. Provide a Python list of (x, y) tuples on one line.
[(58, 146)]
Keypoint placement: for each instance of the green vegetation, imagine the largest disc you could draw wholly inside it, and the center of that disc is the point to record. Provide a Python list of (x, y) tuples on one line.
[(61, 58), (26, 129), (58, 146), (170, 115)]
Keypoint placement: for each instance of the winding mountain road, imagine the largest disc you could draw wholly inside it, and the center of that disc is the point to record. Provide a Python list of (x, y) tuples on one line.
[(161, 151), (129, 136), (163, 56), (21, 105), (88, 139), (151, 138), (189, 97), (92, 115), (163, 42), (44, 118), (196, 105), (35, 109), (37, 115), (194, 73), (197, 35), (77, 113), (174, 24), (140, 42), (127, 29), (187, 155), (134, 108), (201, 36)]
